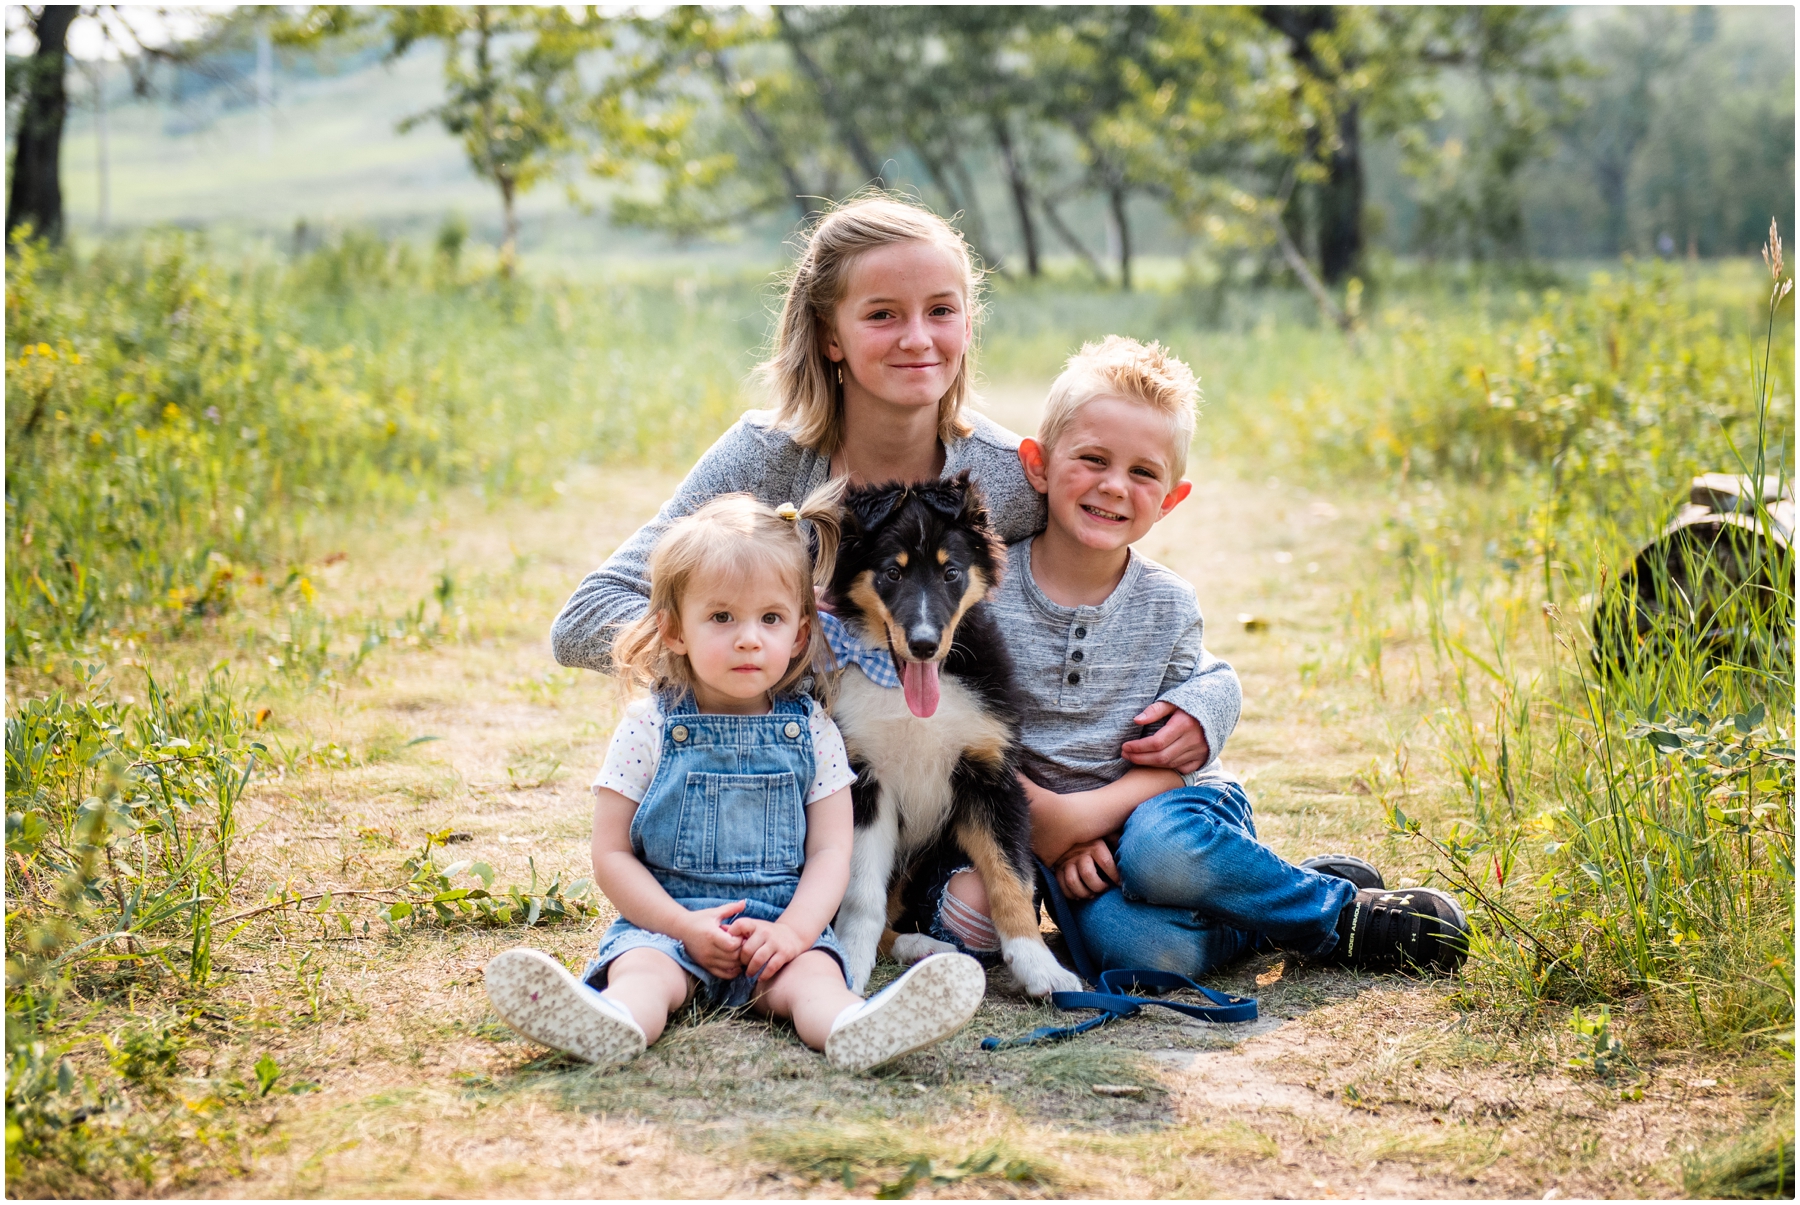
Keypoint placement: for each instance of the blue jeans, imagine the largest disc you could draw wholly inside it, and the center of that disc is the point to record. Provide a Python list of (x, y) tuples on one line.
[(1197, 890)]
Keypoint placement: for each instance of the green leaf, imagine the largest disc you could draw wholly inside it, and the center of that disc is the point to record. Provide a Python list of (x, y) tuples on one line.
[(902, 1188), (267, 1072), (24, 832), (484, 872)]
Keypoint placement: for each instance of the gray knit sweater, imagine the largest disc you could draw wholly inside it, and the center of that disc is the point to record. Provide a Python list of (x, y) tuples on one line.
[(759, 457), (1085, 672)]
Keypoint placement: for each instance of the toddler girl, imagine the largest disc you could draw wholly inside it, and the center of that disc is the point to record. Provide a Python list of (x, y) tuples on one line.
[(722, 819)]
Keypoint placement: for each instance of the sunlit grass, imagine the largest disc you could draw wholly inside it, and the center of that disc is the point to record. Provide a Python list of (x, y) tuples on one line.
[(185, 433)]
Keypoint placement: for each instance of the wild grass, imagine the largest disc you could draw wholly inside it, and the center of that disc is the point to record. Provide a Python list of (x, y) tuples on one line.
[(901, 1159), (175, 424), (1758, 1165), (187, 433), (1626, 787)]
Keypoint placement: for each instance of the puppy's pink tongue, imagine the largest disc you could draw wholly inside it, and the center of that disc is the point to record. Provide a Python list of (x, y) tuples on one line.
[(919, 680)]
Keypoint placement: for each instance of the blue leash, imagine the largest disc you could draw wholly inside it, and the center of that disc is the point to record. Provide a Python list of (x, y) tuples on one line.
[(1113, 1003), (1113, 1000)]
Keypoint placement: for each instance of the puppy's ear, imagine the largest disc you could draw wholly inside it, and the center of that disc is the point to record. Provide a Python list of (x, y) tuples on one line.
[(973, 517), (948, 499), (973, 510), (868, 507)]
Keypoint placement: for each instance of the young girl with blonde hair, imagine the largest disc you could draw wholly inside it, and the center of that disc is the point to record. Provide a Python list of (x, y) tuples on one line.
[(722, 818)]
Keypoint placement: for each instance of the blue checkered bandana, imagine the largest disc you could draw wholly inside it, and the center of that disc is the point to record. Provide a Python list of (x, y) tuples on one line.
[(876, 664)]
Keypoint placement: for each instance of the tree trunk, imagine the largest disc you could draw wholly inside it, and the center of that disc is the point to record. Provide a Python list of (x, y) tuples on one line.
[(1338, 200), (765, 134), (974, 225), (1075, 244), (953, 183), (1610, 175), (1116, 196), (1339, 203), (509, 230), (1021, 191), (835, 109), (499, 171), (37, 168)]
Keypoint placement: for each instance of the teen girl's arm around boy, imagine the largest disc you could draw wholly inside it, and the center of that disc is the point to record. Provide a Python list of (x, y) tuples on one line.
[(1071, 832), (1203, 686)]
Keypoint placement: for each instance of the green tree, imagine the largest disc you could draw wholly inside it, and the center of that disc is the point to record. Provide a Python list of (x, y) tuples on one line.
[(1634, 55), (513, 88), (37, 84), (35, 196), (709, 109), (1243, 123), (917, 87), (1515, 65), (1718, 157), (1090, 66)]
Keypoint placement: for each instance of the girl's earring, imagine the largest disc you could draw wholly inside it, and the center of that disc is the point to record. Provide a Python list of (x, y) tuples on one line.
[(840, 374)]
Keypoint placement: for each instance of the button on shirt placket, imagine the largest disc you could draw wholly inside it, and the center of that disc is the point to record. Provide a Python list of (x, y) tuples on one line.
[(1075, 674)]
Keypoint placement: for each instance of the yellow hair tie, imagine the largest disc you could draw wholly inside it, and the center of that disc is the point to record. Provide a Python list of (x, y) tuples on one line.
[(788, 511)]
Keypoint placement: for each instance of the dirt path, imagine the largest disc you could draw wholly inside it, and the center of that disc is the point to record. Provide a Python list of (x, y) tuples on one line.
[(1348, 1085)]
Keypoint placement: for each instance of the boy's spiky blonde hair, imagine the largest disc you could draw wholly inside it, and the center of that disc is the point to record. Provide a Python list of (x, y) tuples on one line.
[(1121, 367)]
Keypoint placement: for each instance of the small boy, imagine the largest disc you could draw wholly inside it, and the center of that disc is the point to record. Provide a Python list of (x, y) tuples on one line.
[(1156, 869)]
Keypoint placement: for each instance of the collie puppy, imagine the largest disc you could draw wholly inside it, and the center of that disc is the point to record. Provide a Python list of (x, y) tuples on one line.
[(935, 759)]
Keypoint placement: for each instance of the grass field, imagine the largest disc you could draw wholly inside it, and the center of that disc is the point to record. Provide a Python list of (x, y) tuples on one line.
[(247, 907)]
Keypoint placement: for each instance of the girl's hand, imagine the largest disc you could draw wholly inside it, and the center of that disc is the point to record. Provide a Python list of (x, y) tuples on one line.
[(1087, 870), (709, 943), (1179, 745), (768, 945)]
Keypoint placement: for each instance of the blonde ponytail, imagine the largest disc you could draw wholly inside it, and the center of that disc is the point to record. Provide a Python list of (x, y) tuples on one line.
[(822, 509)]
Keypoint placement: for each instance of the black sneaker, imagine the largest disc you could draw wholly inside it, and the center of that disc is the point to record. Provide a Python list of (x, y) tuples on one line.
[(1385, 930), (1346, 866)]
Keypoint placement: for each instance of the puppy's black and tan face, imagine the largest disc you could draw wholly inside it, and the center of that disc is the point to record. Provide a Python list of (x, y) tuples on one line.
[(913, 560)]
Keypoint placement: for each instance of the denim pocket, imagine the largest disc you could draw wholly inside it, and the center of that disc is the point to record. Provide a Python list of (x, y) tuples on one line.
[(740, 822)]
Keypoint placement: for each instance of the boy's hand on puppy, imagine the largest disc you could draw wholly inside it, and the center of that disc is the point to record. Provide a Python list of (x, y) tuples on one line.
[(710, 944), (768, 945), (1087, 870), (1179, 745)]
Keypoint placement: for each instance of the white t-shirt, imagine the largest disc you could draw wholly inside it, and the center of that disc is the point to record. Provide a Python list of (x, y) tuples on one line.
[(636, 749)]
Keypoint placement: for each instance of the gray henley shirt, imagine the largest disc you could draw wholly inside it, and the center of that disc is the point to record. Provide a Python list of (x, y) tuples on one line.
[(1085, 672)]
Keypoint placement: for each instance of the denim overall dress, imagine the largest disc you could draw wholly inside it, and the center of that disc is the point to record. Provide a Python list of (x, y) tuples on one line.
[(723, 819)]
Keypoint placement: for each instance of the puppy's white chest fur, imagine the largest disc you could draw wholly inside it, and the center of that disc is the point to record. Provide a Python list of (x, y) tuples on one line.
[(913, 758)]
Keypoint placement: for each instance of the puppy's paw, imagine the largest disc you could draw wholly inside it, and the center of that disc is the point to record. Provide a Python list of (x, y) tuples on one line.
[(1035, 968), (915, 947)]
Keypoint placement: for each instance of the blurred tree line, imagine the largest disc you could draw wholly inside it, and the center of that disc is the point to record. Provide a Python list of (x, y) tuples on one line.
[(1270, 138)]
